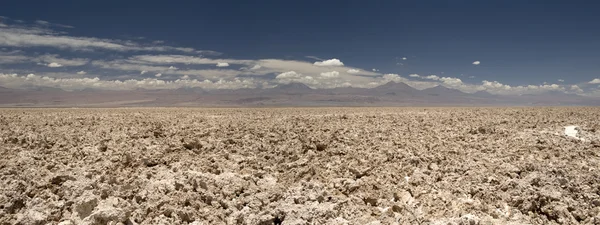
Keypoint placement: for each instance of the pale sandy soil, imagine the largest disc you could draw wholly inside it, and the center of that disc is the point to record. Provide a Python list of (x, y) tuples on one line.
[(300, 166)]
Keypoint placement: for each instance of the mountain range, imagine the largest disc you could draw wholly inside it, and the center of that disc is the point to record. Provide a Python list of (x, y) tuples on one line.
[(292, 94)]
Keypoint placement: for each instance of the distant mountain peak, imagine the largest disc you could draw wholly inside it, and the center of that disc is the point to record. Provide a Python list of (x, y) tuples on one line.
[(294, 86), (394, 85), (442, 90), (484, 94)]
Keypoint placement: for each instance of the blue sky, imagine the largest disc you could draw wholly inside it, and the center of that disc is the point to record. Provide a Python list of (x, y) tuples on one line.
[(522, 46)]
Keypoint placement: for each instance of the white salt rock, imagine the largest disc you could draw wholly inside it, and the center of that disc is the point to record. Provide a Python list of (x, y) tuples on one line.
[(572, 131)]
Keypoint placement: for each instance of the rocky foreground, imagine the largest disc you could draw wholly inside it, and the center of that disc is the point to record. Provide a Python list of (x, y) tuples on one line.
[(300, 166)]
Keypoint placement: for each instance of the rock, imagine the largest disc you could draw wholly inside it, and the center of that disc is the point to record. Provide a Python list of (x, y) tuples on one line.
[(403, 197), (370, 201), (33, 216), (193, 145), (150, 162), (197, 223), (433, 167), (321, 147), (102, 148), (85, 204), (58, 180), (105, 215), (396, 208), (66, 222)]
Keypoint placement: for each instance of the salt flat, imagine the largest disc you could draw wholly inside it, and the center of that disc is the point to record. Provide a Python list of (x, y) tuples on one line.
[(299, 166)]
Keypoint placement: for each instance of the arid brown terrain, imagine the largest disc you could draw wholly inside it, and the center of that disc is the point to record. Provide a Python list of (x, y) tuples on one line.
[(299, 166)]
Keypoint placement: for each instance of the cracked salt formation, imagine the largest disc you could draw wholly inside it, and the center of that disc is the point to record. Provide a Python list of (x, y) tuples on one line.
[(572, 131), (299, 166)]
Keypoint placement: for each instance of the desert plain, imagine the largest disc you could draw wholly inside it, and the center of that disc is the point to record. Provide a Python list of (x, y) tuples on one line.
[(300, 166)]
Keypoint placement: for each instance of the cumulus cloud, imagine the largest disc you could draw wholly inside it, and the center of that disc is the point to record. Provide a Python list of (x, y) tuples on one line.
[(173, 68), (143, 72), (397, 78), (431, 77), (375, 70), (414, 75), (595, 81), (561, 80), (222, 64), (54, 65), (476, 63), (158, 75), (289, 74), (329, 62), (353, 71), (185, 77), (496, 87), (15, 81), (451, 81), (331, 74), (576, 89), (255, 67), (404, 58), (82, 72)]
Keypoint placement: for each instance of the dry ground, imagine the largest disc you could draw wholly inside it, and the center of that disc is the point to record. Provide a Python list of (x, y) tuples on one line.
[(299, 166)]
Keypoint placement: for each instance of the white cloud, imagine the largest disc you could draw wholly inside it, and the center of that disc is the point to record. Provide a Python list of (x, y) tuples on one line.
[(42, 37), (143, 72), (329, 62), (414, 75), (46, 23), (576, 89), (375, 70), (214, 74), (255, 67), (496, 87), (267, 66), (451, 81), (158, 75), (185, 77), (62, 61), (54, 65), (431, 77), (289, 74), (173, 68), (397, 78), (561, 80), (595, 81), (471, 77), (404, 58), (476, 63), (353, 71), (15, 57), (41, 22), (222, 64), (170, 59), (12, 59), (82, 72), (331, 74), (15, 81)]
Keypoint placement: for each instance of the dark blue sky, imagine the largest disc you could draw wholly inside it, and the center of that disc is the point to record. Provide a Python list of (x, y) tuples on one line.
[(518, 42)]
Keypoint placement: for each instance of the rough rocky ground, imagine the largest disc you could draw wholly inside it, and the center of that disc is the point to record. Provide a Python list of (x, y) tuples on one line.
[(299, 166)]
